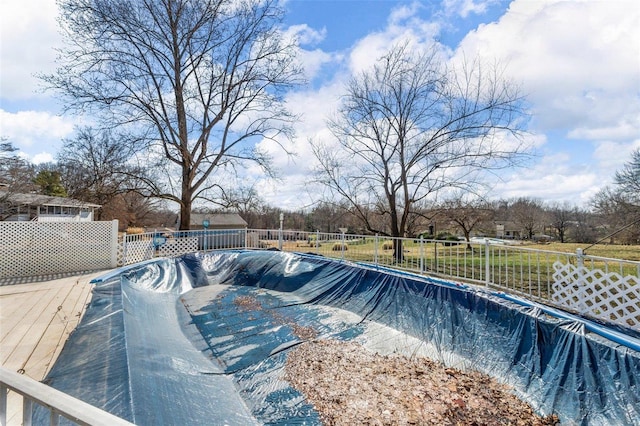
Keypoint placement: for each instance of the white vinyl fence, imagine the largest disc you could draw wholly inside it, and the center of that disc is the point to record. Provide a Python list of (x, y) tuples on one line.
[(44, 248)]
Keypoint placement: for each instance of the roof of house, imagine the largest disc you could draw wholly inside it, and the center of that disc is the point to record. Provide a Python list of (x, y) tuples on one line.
[(45, 200), (218, 219)]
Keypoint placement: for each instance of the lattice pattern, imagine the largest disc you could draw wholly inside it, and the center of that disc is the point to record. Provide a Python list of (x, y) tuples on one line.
[(135, 251), (143, 249), (178, 246), (45, 248), (607, 296)]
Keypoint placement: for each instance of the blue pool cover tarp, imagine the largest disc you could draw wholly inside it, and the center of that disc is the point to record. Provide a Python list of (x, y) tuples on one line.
[(202, 339)]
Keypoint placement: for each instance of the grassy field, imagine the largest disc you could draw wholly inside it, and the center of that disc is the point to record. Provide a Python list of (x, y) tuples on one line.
[(533, 270), (363, 249), (612, 251), (523, 268)]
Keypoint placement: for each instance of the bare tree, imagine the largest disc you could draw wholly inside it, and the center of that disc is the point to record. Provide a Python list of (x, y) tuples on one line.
[(628, 179), (330, 217), (16, 176), (132, 209), (467, 215), (246, 201), (620, 204), (586, 229), (200, 81), (561, 217), (411, 127), (529, 214), (95, 166)]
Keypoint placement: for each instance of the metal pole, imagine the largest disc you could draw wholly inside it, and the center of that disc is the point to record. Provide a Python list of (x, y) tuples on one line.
[(317, 241), (581, 283), (487, 263), (375, 251), (421, 254), (342, 245), (280, 232)]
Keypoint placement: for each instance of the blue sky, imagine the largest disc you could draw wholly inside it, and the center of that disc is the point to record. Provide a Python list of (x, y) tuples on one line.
[(578, 61)]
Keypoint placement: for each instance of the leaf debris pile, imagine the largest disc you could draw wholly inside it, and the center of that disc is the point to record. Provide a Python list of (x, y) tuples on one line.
[(250, 303), (347, 384)]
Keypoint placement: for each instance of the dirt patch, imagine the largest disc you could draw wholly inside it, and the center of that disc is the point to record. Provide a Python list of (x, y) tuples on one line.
[(348, 384)]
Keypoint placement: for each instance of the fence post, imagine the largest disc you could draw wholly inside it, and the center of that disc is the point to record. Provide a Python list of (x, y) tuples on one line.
[(375, 250), (317, 241), (487, 263), (421, 254), (342, 246), (125, 255), (580, 258), (580, 284), (280, 232), (114, 243)]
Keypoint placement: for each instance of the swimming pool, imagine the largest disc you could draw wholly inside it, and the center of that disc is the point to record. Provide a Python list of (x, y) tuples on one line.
[(202, 339)]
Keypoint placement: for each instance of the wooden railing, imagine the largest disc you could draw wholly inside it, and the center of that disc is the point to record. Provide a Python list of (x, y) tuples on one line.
[(58, 403)]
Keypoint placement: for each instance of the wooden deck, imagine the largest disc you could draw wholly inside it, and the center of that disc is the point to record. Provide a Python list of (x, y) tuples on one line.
[(35, 321)]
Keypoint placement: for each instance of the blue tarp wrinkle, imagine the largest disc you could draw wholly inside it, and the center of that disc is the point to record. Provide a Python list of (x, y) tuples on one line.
[(237, 313)]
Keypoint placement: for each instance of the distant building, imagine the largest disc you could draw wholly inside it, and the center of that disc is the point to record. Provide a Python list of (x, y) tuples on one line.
[(217, 221), (508, 230), (44, 208)]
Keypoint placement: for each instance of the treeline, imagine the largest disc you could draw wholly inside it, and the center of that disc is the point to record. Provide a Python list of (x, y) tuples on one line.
[(518, 218), (612, 216)]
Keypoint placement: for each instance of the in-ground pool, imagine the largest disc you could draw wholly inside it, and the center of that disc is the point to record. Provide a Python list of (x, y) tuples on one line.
[(172, 341)]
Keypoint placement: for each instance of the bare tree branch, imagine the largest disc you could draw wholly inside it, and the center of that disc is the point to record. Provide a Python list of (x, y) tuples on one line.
[(202, 80), (412, 127)]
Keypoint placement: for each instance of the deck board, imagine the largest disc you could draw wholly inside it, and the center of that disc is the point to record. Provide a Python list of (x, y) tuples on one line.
[(13, 308), (35, 321)]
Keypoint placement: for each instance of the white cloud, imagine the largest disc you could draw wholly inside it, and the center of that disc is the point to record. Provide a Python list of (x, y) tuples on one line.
[(43, 157), (306, 35), (551, 179), (315, 106), (611, 156), (465, 7), (574, 58), (28, 30), (29, 130), (578, 64), (404, 24), (313, 61)]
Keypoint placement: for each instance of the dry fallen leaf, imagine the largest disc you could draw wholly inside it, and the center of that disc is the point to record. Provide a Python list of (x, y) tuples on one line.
[(347, 384)]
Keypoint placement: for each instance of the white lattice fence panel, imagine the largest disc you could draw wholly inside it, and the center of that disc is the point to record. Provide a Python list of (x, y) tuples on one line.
[(135, 251), (44, 248), (178, 246), (607, 296)]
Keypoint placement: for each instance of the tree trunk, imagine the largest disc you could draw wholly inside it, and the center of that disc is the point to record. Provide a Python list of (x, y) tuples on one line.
[(397, 250), (185, 210)]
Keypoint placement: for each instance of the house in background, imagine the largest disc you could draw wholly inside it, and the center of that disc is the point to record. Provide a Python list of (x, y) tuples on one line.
[(44, 208), (217, 221), (508, 230)]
